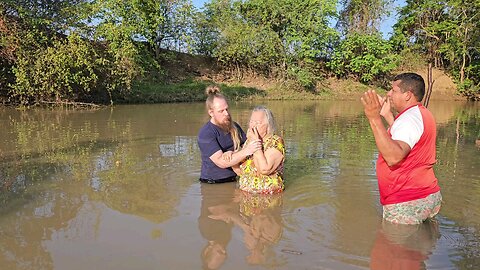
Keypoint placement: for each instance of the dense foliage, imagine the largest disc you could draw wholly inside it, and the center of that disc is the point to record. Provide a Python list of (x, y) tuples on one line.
[(447, 33), (83, 50), (363, 57)]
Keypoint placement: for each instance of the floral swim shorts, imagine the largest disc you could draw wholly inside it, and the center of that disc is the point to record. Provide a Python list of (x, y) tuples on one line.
[(413, 212)]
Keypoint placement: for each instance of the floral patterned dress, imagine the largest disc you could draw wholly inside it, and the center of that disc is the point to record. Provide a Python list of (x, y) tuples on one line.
[(254, 182)]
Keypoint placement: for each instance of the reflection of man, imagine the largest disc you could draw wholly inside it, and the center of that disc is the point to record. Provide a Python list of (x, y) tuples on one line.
[(399, 246), (220, 135), (216, 232), (409, 190)]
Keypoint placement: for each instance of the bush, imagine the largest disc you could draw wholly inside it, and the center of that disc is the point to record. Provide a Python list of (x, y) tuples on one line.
[(63, 71), (365, 57), (469, 89)]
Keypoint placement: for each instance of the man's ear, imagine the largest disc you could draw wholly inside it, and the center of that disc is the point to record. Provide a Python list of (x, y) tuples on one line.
[(409, 96), (210, 112)]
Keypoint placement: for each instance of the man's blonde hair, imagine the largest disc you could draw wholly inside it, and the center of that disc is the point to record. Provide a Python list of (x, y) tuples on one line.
[(212, 92)]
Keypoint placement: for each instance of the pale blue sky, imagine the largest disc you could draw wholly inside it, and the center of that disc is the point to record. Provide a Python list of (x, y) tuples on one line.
[(385, 27)]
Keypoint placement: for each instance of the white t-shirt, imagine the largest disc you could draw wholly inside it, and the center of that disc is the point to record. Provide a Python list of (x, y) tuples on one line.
[(408, 127)]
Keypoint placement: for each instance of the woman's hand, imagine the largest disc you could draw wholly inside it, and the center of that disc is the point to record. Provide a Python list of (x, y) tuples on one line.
[(252, 134)]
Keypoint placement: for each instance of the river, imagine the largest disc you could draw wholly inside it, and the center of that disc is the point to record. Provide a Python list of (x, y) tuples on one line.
[(117, 188)]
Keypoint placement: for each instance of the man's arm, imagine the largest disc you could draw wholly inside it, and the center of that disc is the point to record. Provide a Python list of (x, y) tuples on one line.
[(236, 157), (392, 151)]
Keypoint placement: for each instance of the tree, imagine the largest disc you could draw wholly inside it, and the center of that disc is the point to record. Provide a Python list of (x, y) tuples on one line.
[(204, 34), (422, 22), (162, 24), (57, 16), (447, 32), (31, 33), (62, 71), (275, 37), (363, 57), (362, 16)]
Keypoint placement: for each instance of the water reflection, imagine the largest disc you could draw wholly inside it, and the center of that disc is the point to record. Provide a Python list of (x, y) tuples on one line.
[(23, 232), (399, 246), (97, 182), (257, 216), (216, 233)]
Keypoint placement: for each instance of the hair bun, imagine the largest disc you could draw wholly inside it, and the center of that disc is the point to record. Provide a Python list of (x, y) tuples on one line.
[(212, 90)]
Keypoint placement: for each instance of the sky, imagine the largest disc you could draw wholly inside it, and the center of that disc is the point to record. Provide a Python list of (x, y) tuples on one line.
[(385, 26)]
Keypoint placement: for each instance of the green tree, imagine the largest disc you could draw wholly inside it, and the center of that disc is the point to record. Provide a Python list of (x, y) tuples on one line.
[(280, 38), (65, 70), (204, 34), (162, 24), (51, 17), (31, 34), (447, 32), (422, 23), (363, 57), (463, 46), (362, 16)]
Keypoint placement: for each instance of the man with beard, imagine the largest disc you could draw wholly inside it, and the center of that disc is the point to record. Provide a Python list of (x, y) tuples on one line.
[(220, 135)]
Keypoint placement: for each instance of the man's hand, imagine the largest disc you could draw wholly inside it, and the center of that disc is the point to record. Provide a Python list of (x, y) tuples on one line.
[(393, 151), (372, 104), (386, 111), (253, 146), (227, 156)]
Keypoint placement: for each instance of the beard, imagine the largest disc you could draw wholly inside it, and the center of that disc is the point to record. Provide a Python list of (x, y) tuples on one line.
[(226, 125)]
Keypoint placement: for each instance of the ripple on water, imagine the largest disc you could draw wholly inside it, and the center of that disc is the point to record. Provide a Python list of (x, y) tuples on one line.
[(458, 246)]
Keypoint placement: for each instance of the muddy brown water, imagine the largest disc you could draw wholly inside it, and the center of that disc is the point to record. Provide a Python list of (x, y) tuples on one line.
[(117, 188)]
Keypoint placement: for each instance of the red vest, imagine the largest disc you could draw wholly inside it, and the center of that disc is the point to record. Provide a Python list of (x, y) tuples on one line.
[(413, 178)]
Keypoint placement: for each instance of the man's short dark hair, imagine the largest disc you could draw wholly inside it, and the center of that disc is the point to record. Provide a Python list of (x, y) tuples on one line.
[(411, 82)]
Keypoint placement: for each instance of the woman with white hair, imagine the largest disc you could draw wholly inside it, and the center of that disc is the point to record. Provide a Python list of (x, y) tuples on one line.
[(262, 172)]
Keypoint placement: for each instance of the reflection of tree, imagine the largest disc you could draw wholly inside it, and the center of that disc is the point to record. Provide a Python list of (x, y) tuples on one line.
[(144, 195), (22, 233), (459, 177), (400, 246), (259, 218), (40, 149), (143, 180), (456, 162), (103, 147), (140, 160), (41, 143), (112, 157), (354, 154), (324, 141)]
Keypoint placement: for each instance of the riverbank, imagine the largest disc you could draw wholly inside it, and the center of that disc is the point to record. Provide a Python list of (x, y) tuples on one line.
[(193, 90), (187, 76)]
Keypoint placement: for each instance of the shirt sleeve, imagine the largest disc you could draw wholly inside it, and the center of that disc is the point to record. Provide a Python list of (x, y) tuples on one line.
[(208, 143), (408, 128)]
